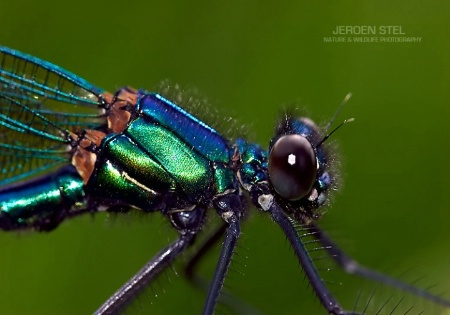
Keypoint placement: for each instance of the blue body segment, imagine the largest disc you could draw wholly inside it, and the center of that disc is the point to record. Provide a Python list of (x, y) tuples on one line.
[(254, 162), (195, 132), (42, 202)]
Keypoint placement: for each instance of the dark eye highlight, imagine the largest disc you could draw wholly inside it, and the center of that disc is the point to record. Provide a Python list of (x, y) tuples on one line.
[(292, 166)]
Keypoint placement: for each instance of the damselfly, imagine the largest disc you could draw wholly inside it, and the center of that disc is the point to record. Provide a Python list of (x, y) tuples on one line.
[(69, 148)]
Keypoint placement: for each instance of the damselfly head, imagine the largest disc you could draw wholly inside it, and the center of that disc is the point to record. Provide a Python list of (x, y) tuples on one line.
[(298, 169)]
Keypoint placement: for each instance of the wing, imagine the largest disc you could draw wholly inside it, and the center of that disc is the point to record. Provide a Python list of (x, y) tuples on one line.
[(40, 105)]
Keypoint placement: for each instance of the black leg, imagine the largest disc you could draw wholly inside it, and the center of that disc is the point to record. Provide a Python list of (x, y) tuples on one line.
[(191, 266), (116, 303), (233, 303), (353, 267), (229, 244), (322, 292)]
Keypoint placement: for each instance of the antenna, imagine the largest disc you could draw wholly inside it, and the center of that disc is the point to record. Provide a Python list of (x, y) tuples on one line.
[(338, 110), (334, 130)]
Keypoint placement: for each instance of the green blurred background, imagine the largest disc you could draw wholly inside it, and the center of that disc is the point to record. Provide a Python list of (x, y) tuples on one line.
[(251, 59)]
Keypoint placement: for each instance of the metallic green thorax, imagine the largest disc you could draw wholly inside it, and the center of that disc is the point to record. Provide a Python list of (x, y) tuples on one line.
[(148, 161)]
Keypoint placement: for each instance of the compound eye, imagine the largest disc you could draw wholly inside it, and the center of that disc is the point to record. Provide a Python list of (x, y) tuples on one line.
[(292, 167)]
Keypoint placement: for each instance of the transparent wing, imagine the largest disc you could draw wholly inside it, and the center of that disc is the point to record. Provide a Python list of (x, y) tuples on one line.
[(40, 104)]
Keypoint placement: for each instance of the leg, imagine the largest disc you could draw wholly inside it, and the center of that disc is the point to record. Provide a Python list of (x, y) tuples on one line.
[(352, 267), (322, 292), (139, 281), (236, 305), (231, 237), (191, 266)]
